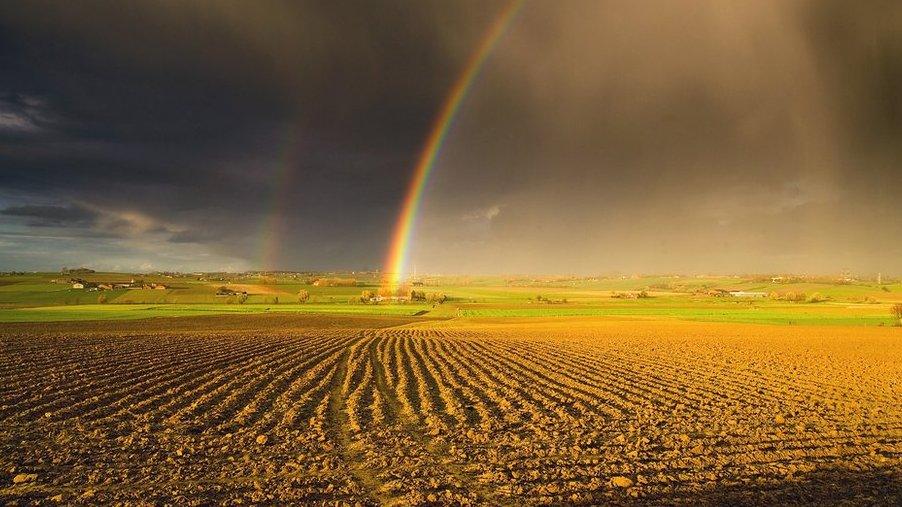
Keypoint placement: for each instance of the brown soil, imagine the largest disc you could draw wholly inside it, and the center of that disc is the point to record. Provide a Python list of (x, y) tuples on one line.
[(300, 409)]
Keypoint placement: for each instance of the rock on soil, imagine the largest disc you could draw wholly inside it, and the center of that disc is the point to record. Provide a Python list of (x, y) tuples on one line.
[(23, 478), (621, 481)]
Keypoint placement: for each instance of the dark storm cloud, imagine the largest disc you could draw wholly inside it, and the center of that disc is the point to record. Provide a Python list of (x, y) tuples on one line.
[(643, 135), (52, 216), (190, 113)]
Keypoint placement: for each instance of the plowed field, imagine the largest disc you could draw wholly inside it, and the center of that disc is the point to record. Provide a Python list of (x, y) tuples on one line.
[(565, 412)]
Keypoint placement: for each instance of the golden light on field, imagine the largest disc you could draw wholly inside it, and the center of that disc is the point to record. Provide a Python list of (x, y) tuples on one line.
[(579, 411)]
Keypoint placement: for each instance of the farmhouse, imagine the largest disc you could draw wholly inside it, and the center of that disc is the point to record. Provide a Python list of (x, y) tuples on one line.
[(225, 292), (394, 299), (78, 283), (149, 286)]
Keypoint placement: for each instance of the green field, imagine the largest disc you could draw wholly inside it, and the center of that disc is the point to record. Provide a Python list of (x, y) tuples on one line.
[(49, 297), (759, 315), (128, 311)]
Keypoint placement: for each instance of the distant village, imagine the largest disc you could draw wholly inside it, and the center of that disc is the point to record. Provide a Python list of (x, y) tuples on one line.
[(76, 281), (81, 283)]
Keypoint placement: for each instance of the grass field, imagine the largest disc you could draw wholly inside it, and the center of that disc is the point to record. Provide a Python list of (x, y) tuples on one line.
[(391, 410), (767, 314), (33, 297), (145, 311)]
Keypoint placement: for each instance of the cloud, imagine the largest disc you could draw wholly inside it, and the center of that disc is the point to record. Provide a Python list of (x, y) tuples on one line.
[(193, 236), (484, 214), (16, 122), (23, 114), (53, 216), (87, 220), (614, 128)]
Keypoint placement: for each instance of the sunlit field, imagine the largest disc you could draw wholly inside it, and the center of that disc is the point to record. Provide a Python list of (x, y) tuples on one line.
[(34, 298), (503, 391), (401, 410)]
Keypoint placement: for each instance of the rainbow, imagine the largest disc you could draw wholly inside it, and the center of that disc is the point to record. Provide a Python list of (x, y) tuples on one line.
[(399, 248), (272, 231)]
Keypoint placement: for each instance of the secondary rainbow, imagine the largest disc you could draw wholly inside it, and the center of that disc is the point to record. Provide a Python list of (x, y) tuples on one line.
[(272, 231), (399, 248)]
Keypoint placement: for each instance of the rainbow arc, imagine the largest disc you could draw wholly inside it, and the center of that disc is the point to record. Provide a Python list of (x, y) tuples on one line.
[(399, 249)]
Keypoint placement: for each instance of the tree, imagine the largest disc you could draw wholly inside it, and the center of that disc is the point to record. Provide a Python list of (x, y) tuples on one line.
[(367, 296), (897, 312), (436, 297), (817, 297), (303, 296)]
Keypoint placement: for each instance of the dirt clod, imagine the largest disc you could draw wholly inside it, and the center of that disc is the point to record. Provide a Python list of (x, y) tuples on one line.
[(621, 481), (23, 478)]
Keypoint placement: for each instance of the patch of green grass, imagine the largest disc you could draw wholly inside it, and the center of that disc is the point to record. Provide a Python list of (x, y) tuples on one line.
[(129, 311), (33, 297), (804, 315), (58, 295)]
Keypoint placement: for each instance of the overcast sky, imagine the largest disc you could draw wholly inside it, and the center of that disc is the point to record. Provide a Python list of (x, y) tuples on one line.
[(600, 137)]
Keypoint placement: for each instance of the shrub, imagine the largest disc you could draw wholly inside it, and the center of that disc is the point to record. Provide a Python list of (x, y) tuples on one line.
[(436, 297), (101, 299), (303, 296), (794, 296), (817, 297), (896, 311), (335, 282)]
